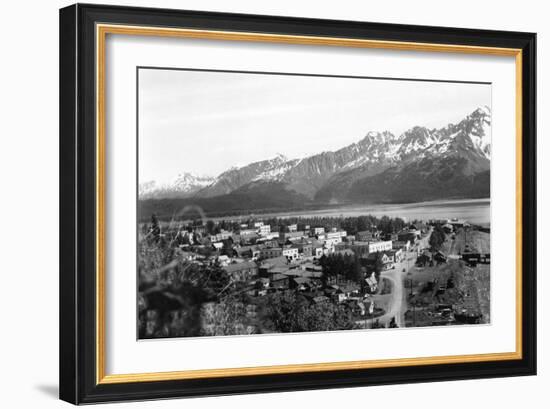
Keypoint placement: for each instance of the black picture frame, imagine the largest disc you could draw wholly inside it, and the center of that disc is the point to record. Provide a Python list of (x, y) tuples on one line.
[(78, 313)]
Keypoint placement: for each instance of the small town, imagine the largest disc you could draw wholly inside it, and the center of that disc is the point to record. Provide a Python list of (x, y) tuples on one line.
[(275, 275)]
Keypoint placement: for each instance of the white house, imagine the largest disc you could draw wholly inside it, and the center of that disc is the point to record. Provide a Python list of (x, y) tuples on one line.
[(318, 230), (336, 234), (264, 229), (217, 245), (290, 253), (376, 246), (330, 243), (224, 260)]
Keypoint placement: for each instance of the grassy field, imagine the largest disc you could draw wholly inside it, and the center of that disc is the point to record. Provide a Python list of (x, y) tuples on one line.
[(476, 241), (465, 288)]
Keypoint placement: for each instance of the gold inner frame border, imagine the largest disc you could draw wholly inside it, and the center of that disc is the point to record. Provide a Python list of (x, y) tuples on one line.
[(102, 30)]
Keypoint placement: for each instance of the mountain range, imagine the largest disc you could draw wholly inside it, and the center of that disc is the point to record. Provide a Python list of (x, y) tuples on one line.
[(420, 164), (184, 185)]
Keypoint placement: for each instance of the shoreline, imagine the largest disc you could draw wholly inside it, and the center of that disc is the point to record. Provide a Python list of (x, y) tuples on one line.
[(476, 210), (368, 209)]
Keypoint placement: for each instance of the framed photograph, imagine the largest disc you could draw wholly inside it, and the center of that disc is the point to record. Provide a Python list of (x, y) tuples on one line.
[(257, 203)]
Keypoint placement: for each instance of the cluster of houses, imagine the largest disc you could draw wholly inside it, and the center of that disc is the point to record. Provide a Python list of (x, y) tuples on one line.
[(430, 258), (261, 261)]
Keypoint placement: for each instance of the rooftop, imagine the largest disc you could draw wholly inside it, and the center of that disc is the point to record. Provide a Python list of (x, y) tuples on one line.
[(240, 266)]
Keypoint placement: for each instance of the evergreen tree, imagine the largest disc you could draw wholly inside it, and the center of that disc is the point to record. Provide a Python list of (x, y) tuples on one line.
[(437, 237), (378, 264)]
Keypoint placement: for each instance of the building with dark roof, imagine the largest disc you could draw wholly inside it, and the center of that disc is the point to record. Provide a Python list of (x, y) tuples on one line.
[(242, 271)]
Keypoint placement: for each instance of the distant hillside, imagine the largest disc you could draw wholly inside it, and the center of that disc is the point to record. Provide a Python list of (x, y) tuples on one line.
[(265, 196)]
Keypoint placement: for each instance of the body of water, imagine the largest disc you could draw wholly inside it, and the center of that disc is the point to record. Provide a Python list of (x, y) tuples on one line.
[(475, 211)]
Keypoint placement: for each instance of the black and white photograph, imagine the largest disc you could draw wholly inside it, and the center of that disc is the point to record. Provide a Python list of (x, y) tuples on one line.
[(283, 203)]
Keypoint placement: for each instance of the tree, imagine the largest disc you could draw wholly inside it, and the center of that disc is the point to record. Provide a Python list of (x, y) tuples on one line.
[(337, 265), (155, 228), (210, 226), (378, 264), (214, 280), (228, 247), (385, 225), (356, 273), (182, 237), (145, 229), (437, 238), (362, 224), (225, 318), (291, 312)]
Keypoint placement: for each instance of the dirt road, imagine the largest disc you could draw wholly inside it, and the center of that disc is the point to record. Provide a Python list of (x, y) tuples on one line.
[(398, 305)]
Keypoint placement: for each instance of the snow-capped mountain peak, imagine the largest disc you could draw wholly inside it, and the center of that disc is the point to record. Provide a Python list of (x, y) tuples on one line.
[(480, 133), (376, 151), (187, 181), (184, 184)]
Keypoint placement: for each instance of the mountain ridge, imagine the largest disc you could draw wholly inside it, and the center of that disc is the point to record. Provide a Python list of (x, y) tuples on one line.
[(361, 171), (185, 184)]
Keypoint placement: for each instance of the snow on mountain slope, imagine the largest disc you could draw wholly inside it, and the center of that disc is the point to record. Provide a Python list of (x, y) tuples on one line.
[(377, 151), (185, 184)]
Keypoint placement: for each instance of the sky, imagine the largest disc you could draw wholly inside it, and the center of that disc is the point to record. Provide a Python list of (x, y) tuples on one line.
[(206, 122)]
